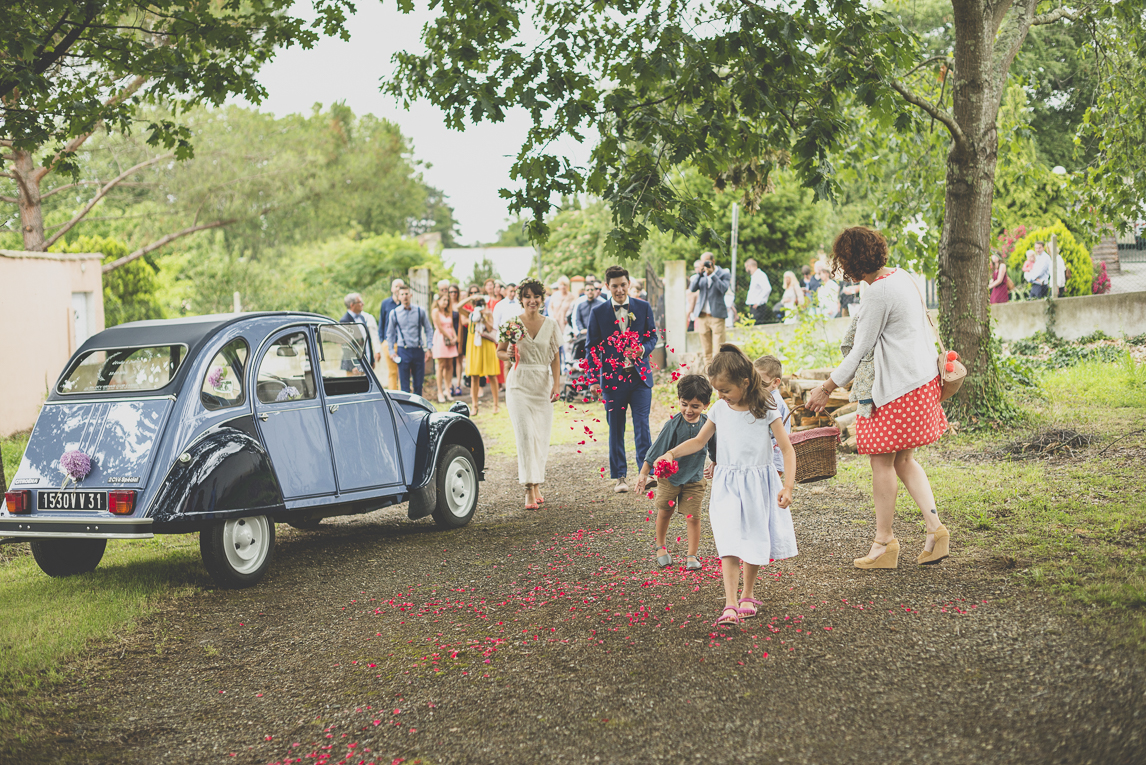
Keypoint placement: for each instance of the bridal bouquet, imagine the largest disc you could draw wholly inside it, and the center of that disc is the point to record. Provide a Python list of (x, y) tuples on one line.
[(511, 331)]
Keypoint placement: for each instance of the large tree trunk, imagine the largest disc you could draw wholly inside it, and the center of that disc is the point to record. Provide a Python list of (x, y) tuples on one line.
[(28, 193), (980, 73)]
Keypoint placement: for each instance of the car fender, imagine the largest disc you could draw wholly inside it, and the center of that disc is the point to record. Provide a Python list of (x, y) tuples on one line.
[(225, 473), (437, 430)]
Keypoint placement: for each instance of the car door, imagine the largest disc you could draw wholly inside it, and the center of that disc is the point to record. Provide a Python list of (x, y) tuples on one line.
[(358, 414), (289, 413)]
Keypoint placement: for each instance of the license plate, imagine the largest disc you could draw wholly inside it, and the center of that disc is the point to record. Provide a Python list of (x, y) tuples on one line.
[(71, 500)]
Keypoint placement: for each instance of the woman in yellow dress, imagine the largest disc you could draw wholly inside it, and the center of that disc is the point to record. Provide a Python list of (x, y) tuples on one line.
[(481, 347)]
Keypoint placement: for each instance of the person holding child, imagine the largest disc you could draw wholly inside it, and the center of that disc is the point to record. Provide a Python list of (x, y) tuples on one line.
[(683, 491), (748, 509), (904, 397)]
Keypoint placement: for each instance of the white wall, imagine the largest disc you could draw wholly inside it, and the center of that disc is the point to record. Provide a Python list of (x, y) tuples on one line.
[(38, 325)]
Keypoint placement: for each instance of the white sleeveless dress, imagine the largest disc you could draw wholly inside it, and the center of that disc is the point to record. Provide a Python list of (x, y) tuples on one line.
[(527, 388), (747, 520)]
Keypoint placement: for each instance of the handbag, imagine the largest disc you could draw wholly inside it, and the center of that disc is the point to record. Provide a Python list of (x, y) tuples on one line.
[(951, 370)]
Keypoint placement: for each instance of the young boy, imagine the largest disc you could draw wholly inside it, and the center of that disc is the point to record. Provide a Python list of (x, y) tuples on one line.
[(770, 371), (684, 490)]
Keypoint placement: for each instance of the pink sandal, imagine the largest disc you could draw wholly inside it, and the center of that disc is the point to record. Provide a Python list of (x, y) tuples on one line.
[(749, 613), (724, 621)]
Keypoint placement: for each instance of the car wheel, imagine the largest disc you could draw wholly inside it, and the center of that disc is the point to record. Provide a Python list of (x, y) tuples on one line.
[(238, 552), (457, 478), (68, 557)]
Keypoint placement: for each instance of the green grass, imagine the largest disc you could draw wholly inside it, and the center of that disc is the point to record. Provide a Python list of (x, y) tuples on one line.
[(47, 622), (13, 449), (1073, 527)]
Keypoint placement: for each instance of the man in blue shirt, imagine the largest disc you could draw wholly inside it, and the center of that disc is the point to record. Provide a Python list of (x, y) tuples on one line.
[(388, 306), (584, 306), (409, 351)]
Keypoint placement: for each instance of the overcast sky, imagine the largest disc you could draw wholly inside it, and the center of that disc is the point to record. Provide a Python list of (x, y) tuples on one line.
[(469, 167)]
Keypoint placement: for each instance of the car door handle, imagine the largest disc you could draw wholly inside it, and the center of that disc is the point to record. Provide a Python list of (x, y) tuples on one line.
[(264, 416), (333, 408)]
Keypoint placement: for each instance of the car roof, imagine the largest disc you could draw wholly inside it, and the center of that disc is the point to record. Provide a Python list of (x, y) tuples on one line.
[(187, 330), (191, 331)]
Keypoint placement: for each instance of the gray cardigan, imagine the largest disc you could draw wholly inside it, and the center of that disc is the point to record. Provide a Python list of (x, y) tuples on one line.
[(893, 323)]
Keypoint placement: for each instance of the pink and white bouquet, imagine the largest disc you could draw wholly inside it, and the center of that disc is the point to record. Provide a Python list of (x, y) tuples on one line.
[(511, 331)]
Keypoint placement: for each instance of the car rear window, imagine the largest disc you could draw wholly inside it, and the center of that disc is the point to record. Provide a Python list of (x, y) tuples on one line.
[(123, 370)]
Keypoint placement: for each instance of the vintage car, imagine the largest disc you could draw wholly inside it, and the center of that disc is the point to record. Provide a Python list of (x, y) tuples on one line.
[(225, 425)]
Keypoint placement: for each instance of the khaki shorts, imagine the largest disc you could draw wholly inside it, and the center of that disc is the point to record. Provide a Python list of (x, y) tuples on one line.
[(686, 499)]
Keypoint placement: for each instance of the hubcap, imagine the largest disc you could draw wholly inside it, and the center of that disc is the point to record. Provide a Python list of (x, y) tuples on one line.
[(460, 485), (246, 543)]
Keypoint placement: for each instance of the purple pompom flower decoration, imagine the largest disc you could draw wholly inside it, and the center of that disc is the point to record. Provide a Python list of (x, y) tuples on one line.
[(289, 393), (76, 465), (215, 376)]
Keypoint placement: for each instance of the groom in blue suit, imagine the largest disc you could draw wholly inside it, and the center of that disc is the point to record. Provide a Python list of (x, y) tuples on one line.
[(619, 367)]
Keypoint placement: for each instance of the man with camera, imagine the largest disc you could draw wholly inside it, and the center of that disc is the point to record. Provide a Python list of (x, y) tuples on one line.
[(710, 282)]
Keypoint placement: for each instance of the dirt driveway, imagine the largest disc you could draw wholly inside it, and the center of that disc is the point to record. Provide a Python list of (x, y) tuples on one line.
[(547, 636)]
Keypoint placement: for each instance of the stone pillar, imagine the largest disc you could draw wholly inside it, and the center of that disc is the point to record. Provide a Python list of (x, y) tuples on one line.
[(676, 320), (418, 279)]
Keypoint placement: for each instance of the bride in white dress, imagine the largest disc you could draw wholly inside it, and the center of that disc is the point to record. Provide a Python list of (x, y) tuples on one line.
[(531, 387)]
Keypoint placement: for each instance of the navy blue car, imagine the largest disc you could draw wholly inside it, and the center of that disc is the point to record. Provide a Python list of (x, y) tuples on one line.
[(226, 425)]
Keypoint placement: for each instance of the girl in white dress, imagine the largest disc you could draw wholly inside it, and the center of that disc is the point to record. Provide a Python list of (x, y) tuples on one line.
[(748, 508), (531, 387)]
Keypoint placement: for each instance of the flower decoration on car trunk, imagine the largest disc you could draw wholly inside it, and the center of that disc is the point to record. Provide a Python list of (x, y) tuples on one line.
[(75, 465)]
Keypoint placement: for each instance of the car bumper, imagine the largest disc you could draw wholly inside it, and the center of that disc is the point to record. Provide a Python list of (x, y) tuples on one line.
[(76, 528)]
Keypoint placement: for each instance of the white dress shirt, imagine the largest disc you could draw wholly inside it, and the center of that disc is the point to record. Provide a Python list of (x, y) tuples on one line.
[(504, 311), (759, 288)]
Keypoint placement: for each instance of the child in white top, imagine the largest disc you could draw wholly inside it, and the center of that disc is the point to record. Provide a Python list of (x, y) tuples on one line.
[(748, 508)]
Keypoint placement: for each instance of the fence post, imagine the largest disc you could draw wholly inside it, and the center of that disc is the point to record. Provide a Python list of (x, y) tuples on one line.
[(1054, 267), (419, 283), (676, 321)]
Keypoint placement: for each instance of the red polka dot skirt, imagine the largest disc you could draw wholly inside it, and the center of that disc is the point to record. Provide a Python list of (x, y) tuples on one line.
[(914, 419)]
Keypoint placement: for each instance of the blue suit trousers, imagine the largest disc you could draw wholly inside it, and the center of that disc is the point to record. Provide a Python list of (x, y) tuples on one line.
[(412, 363), (630, 394)]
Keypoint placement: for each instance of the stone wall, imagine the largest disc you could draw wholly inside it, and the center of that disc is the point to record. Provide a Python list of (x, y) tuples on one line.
[(1075, 317)]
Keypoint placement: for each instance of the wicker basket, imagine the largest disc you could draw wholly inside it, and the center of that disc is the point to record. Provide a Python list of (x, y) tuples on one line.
[(815, 453)]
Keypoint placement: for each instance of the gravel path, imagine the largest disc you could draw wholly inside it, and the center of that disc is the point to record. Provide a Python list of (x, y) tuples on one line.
[(548, 636)]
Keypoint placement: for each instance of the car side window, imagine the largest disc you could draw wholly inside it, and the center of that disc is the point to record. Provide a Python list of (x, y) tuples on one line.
[(285, 371), (341, 348), (223, 384)]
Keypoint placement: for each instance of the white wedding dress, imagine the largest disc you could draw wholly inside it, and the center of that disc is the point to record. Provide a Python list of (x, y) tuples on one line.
[(527, 389)]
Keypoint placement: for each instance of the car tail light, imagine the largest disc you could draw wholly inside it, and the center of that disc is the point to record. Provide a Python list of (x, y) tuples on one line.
[(121, 502), (19, 501)]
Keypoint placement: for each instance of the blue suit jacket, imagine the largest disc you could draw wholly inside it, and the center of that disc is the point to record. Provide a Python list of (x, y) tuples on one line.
[(605, 360), (713, 287)]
